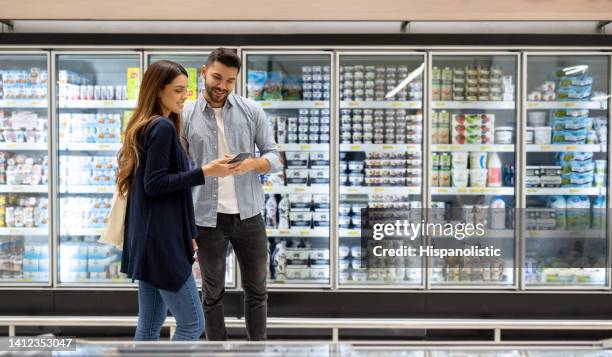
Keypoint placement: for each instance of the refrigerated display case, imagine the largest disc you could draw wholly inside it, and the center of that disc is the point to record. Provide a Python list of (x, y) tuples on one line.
[(294, 88), (380, 116), (24, 169), (473, 125), (566, 170), (95, 93), (192, 62)]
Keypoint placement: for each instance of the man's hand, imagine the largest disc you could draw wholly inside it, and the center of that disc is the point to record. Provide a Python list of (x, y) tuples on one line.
[(259, 165), (219, 168)]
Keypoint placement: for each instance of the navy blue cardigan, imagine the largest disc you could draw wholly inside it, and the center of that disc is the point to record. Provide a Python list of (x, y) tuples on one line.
[(159, 222)]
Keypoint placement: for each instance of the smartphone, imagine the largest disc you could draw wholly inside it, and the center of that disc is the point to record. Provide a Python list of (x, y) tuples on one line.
[(240, 157)]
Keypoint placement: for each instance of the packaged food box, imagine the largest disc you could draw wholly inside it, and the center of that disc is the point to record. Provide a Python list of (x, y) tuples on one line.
[(300, 219), (297, 273), (320, 219), (319, 176), (297, 159), (319, 272), (320, 202), (300, 202), (319, 159), (296, 176), (319, 256)]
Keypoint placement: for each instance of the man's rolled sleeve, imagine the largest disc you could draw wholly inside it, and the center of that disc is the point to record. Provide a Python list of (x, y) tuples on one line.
[(264, 139)]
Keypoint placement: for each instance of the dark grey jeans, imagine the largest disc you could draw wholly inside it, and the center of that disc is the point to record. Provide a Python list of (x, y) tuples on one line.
[(249, 241)]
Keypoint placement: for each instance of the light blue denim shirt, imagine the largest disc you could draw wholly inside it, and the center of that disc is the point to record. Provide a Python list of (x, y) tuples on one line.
[(246, 126)]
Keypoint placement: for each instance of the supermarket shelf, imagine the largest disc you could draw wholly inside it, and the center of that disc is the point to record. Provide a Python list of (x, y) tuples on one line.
[(24, 188), (589, 191), (87, 189), (562, 148), (345, 232), (572, 105), (380, 147), (23, 103), (299, 232), (586, 233), (302, 147), (91, 147), (506, 191), (322, 189), (15, 231), (24, 146), (294, 104), (82, 232), (380, 105), (487, 105), (472, 147), (366, 190), (97, 104)]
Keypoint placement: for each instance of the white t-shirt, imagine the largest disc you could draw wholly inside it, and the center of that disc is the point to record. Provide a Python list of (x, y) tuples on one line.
[(227, 203)]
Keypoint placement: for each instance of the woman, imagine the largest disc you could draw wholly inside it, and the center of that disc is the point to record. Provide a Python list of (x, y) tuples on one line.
[(154, 173)]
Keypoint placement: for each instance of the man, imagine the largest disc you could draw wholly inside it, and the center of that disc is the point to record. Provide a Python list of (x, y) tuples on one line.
[(229, 209)]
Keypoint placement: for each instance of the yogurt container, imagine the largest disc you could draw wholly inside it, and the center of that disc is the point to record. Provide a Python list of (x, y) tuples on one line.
[(478, 177), (542, 135), (503, 134)]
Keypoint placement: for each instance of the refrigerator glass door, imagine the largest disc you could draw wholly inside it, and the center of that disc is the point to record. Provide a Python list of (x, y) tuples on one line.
[(473, 162), (193, 65), (381, 163), (566, 173), (95, 96), (24, 170), (294, 90)]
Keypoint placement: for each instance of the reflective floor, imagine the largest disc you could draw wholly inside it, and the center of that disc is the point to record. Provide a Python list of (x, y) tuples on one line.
[(323, 349)]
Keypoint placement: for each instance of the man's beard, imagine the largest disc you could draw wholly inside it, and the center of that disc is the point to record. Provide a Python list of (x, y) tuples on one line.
[(211, 94)]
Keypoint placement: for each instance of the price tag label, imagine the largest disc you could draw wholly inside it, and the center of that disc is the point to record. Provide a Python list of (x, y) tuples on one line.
[(355, 147), (101, 189), (305, 147), (440, 104), (486, 147), (574, 190), (533, 233), (571, 147), (531, 190), (352, 190), (11, 146), (379, 189), (545, 147), (305, 232), (445, 148), (462, 190), (569, 105), (15, 231), (388, 147), (265, 104), (396, 104), (353, 104), (299, 190), (442, 190), (533, 104), (11, 103), (413, 104), (353, 232), (108, 103), (104, 146), (284, 232), (320, 104), (455, 148)]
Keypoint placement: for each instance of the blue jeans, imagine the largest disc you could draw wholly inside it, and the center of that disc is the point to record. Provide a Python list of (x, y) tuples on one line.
[(185, 306)]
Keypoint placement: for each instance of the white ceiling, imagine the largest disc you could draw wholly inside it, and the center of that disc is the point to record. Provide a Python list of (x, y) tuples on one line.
[(314, 10)]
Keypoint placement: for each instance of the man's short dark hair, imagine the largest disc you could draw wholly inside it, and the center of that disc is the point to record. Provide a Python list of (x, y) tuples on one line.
[(225, 56)]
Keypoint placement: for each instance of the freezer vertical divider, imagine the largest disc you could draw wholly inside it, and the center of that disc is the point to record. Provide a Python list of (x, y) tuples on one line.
[(609, 184), (53, 170), (426, 177), (520, 152), (334, 189)]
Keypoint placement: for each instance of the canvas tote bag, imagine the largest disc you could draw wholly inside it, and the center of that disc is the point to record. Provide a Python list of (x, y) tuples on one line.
[(113, 232)]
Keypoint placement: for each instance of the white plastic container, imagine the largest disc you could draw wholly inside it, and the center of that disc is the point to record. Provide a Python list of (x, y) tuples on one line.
[(536, 118), (478, 177), (542, 135)]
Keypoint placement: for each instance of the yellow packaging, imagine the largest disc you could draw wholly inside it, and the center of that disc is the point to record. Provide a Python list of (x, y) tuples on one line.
[(133, 82), (192, 86)]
